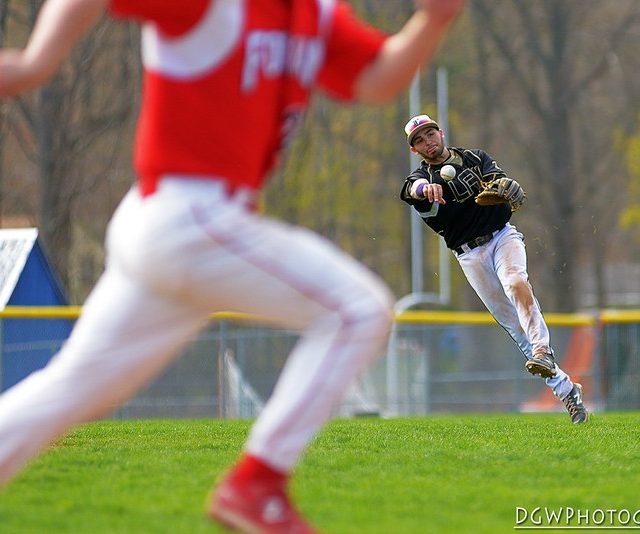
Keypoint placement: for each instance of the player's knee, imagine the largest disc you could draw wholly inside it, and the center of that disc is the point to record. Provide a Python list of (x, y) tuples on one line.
[(380, 313), (518, 288), (372, 310)]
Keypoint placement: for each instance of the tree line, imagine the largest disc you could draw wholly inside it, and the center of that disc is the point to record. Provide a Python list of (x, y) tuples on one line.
[(549, 88)]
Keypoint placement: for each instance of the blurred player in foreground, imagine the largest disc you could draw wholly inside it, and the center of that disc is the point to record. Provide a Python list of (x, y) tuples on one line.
[(226, 82), (464, 196)]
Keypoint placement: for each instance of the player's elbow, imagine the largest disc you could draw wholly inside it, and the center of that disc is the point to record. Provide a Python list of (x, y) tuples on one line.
[(19, 73)]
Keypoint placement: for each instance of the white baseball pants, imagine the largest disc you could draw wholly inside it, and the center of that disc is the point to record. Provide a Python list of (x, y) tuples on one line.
[(497, 271), (173, 258)]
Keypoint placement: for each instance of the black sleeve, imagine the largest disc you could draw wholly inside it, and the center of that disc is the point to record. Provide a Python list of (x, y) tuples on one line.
[(404, 192), (488, 167)]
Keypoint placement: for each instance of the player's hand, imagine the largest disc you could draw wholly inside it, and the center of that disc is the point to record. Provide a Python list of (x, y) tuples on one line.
[(433, 193), (503, 190), (423, 190), (444, 11)]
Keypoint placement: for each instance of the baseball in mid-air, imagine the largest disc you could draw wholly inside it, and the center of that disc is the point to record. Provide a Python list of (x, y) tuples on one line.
[(448, 172)]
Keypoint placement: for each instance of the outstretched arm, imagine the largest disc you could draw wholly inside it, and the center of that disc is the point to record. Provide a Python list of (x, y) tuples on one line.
[(60, 24), (406, 51)]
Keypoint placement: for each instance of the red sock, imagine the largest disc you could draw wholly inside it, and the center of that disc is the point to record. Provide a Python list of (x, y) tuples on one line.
[(251, 467)]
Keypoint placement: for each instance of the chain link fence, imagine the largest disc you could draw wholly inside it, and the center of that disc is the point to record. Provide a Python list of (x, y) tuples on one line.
[(441, 362)]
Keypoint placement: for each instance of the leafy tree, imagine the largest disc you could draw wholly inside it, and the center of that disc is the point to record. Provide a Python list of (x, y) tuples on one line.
[(547, 85), (69, 135), (630, 217)]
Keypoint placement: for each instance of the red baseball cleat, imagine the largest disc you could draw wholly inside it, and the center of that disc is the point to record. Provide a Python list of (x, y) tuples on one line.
[(255, 506)]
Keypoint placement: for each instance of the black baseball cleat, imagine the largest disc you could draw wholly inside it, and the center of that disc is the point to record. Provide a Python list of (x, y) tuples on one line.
[(575, 407), (542, 365)]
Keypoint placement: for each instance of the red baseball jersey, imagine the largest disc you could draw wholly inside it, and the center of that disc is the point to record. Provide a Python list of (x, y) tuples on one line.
[(226, 81)]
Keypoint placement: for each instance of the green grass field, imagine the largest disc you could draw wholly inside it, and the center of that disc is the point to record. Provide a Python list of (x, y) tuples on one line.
[(438, 474)]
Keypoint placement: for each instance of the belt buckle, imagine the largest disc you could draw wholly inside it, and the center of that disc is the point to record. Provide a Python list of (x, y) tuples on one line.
[(479, 241)]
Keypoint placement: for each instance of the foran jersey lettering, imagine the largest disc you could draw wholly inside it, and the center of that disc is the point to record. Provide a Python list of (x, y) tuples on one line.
[(274, 53)]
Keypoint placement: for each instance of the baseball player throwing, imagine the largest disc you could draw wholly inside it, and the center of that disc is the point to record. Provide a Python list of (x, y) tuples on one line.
[(226, 81), (464, 196)]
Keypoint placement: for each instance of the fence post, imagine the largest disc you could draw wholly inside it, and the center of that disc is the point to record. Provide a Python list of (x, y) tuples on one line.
[(221, 370), (392, 374), (1, 354), (598, 361)]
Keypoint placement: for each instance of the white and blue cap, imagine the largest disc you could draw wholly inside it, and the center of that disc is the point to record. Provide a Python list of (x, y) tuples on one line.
[(417, 124)]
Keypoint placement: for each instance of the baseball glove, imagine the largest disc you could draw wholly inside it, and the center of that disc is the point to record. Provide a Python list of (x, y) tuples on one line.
[(502, 191)]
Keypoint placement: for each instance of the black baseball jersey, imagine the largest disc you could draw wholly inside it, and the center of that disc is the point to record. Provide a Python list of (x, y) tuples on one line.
[(459, 220)]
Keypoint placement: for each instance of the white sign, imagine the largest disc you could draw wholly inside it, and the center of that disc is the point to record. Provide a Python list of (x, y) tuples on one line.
[(15, 246)]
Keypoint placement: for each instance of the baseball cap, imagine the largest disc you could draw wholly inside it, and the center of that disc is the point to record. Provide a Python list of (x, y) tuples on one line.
[(418, 123)]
